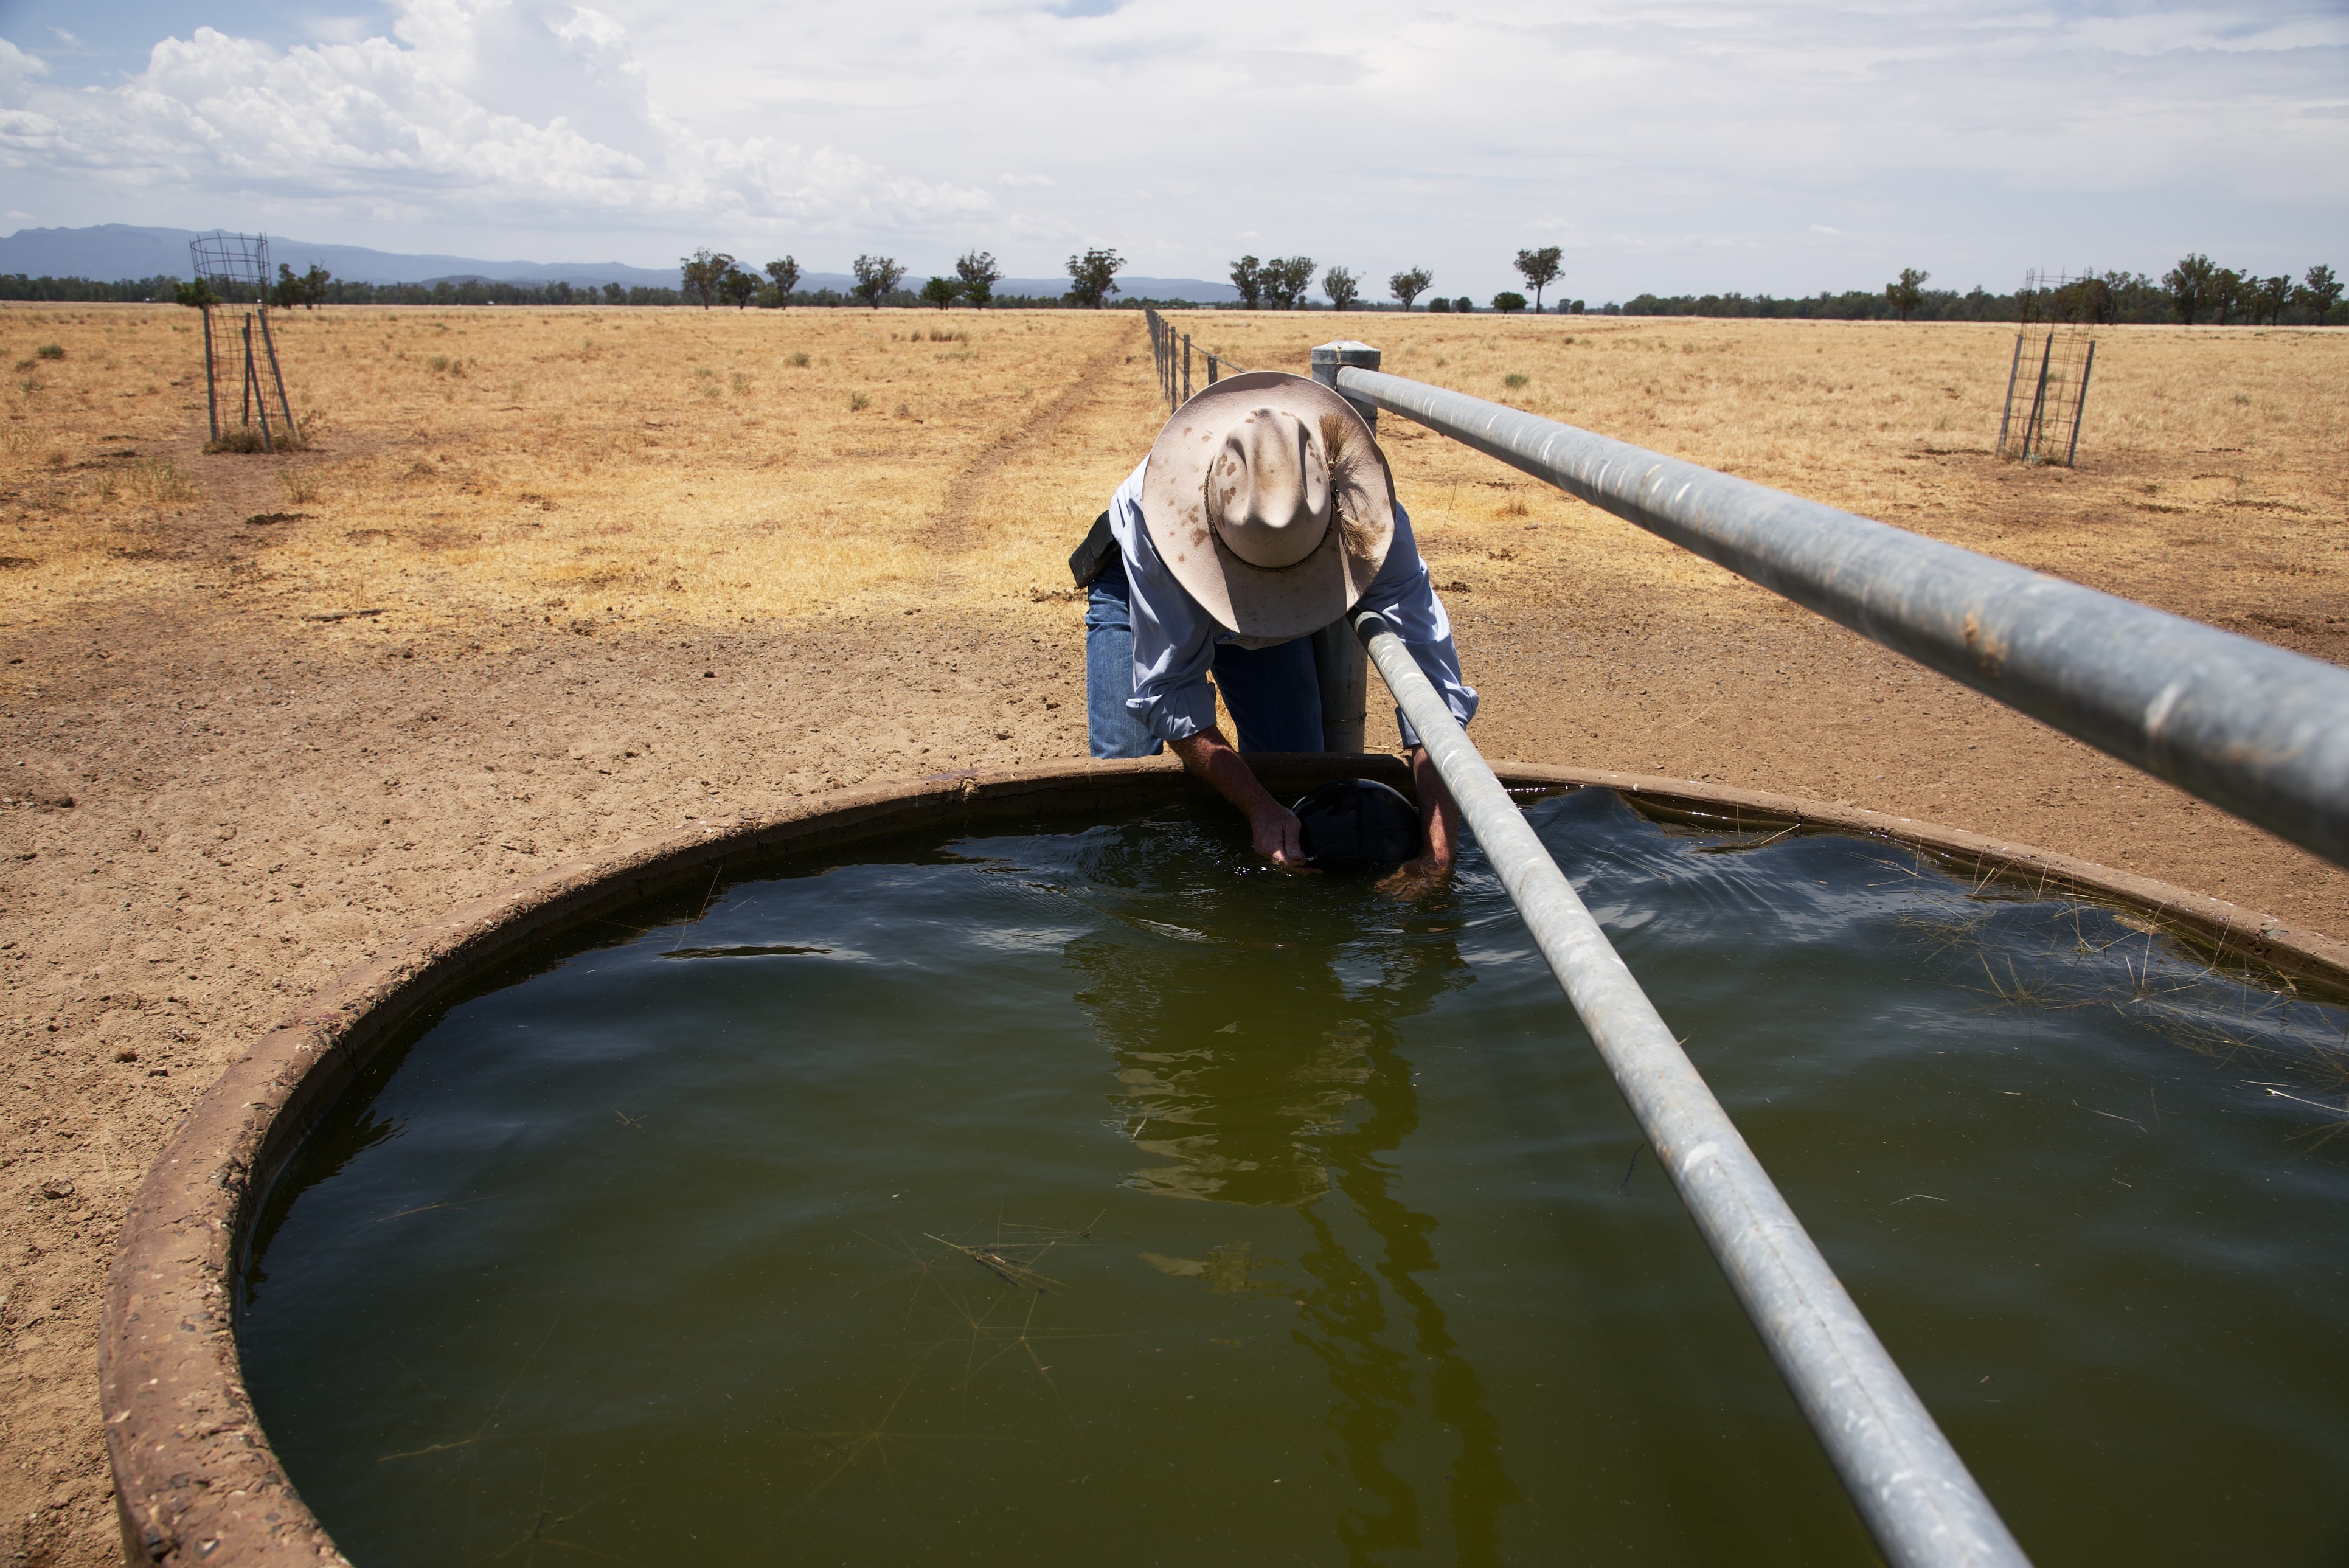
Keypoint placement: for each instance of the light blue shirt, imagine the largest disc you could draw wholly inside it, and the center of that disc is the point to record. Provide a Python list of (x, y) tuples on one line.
[(1175, 640)]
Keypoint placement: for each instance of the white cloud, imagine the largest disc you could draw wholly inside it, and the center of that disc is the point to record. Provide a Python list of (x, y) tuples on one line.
[(1047, 230), (509, 112), (1684, 137), (17, 70)]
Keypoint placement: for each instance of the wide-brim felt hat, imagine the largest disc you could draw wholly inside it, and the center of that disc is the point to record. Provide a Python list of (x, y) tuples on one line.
[(1269, 499)]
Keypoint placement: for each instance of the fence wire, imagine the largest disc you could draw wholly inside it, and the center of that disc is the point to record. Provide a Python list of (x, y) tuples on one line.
[(1173, 354)]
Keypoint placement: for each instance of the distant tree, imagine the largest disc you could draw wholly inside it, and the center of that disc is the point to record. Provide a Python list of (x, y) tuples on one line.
[(2229, 291), (1342, 287), (1408, 286), (704, 276), (875, 277), (940, 292), (1463, 305), (1092, 276), (738, 288), (1908, 294), (979, 274), (783, 276), (1285, 281), (307, 290), (1247, 276), (1440, 304), (1540, 270), (615, 295), (2318, 292), (1572, 307), (2187, 284), (1508, 302), (2088, 300), (2273, 294), (196, 295)]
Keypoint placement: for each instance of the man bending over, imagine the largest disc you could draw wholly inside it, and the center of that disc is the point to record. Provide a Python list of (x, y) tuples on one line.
[(1263, 512)]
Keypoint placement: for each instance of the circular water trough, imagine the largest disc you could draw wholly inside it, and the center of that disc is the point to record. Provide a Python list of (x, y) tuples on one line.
[(196, 1479)]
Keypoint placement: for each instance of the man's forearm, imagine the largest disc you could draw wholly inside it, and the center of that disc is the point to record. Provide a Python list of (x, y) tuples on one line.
[(1210, 758), (1207, 756), (1439, 814)]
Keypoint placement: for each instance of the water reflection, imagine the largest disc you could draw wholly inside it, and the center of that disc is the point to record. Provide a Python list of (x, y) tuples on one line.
[(1249, 1071)]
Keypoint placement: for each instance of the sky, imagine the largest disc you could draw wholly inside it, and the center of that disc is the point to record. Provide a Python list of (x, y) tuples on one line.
[(1681, 146)]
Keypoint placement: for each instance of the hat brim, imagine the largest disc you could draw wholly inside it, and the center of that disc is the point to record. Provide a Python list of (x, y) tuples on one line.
[(1249, 601)]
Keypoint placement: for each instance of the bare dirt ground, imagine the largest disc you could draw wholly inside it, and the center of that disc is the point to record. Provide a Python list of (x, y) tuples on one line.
[(594, 572)]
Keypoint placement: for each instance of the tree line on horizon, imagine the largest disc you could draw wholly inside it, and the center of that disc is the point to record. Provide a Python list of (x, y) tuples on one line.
[(1283, 282), (712, 278), (2196, 291)]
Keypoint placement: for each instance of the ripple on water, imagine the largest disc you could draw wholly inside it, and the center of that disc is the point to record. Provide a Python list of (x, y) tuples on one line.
[(1063, 1196)]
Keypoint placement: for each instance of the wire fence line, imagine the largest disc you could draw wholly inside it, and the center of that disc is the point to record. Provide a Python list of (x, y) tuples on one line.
[(1171, 353)]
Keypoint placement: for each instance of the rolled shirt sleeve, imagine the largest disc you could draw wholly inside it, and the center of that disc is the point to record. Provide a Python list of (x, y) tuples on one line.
[(1175, 640)]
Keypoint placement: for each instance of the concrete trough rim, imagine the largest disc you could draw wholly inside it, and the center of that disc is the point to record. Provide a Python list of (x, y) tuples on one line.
[(195, 1478)]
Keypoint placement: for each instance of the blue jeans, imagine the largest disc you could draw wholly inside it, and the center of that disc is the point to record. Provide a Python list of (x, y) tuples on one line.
[(1272, 695)]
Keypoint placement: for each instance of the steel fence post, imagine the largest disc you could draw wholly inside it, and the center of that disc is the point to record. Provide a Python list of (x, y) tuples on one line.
[(277, 375), (2006, 410), (2080, 408), (2032, 429), (1328, 357), (211, 378)]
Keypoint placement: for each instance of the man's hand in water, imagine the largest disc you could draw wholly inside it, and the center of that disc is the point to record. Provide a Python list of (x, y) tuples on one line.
[(1279, 837), (1416, 879), (1273, 826), (1438, 831)]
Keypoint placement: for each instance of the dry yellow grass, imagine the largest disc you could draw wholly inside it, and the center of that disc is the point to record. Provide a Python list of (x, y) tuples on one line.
[(707, 467), (700, 467)]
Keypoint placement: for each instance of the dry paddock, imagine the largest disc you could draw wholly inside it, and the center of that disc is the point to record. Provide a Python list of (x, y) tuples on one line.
[(546, 579)]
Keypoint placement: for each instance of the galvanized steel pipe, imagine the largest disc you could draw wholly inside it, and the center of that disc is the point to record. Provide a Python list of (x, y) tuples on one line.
[(2251, 728), (1915, 1493)]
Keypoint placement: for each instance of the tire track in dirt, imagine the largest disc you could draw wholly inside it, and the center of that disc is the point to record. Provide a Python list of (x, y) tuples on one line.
[(950, 534)]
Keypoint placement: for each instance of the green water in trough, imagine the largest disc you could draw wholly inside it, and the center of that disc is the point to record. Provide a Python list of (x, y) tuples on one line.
[(1079, 1194)]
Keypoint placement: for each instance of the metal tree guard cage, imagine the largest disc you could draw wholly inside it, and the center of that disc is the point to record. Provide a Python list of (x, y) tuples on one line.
[(231, 264), (2045, 400), (222, 257)]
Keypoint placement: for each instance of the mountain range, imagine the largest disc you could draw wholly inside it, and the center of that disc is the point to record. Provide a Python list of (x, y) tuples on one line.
[(107, 251)]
